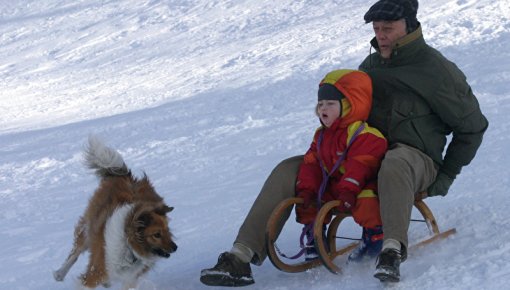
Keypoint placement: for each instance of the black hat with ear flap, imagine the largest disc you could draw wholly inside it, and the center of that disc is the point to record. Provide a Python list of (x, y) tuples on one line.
[(392, 10), (411, 8), (329, 92)]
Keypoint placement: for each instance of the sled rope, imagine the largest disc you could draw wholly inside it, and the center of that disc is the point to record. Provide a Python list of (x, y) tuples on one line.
[(301, 244)]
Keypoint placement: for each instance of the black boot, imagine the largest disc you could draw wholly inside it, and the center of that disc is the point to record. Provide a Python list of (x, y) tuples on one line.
[(229, 271), (388, 266)]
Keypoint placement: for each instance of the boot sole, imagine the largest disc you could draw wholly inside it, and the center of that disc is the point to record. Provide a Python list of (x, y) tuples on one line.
[(386, 277), (226, 281)]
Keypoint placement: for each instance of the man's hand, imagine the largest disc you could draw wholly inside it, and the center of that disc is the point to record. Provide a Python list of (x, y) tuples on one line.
[(440, 186)]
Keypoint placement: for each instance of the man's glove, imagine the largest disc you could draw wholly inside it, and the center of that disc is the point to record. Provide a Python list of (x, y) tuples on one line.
[(440, 186), (347, 201)]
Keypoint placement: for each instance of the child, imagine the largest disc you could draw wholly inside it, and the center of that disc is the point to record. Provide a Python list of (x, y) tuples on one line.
[(343, 160)]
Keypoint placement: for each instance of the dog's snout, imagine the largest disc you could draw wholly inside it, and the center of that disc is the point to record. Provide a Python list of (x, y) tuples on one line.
[(165, 253), (173, 247)]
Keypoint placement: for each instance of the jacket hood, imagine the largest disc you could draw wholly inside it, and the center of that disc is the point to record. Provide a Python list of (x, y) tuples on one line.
[(356, 86)]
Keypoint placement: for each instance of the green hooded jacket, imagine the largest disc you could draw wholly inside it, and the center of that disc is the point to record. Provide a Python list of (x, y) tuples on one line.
[(420, 97)]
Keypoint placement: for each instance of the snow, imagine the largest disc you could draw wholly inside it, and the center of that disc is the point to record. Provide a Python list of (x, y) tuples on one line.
[(206, 97)]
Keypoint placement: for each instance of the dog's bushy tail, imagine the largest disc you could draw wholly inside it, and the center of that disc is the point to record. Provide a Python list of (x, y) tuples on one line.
[(103, 159)]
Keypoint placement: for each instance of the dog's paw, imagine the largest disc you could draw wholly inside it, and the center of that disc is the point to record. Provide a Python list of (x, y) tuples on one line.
[(59, 276), (107, 284)]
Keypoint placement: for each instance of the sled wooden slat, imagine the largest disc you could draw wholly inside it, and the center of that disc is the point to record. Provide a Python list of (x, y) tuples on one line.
[(428, 216), (434, 238), (326, 259), (331, 237), (301, 266), (436, 234), (327, 254), (271, 233)]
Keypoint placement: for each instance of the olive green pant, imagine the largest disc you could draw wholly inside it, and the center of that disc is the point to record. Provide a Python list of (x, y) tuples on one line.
[(404, 172), (279, 186)]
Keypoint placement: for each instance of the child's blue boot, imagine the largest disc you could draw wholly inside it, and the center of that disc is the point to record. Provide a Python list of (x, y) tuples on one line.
[(370, 245), (310, 250)]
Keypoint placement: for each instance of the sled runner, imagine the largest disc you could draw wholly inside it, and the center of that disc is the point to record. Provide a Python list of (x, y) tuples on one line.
[(327, 249)]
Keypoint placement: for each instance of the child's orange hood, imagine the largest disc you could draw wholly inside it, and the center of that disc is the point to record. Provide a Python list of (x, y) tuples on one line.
[(357, 88)]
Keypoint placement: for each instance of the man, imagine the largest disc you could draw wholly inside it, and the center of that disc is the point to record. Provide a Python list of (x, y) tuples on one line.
[(419, 98)]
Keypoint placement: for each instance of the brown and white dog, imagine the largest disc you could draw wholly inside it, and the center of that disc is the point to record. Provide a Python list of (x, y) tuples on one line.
[(124, 227)]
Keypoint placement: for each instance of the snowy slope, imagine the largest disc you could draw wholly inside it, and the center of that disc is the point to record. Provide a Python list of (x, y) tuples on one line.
[(207, 97)]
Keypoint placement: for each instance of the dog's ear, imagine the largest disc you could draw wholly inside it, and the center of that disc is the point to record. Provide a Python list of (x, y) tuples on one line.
[(163, 210), (144, 219)]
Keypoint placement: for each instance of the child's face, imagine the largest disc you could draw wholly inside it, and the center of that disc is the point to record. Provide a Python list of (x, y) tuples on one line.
[(329, 111)]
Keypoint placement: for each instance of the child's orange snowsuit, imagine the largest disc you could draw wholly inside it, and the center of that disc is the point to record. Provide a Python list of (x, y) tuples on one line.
[(356, 175)]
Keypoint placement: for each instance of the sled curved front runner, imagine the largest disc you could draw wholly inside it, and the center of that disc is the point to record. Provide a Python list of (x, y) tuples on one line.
[(430, 220), (294, 266), (271, 236), (328, 254)]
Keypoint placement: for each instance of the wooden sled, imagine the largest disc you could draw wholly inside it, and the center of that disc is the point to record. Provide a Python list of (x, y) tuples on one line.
[(326, 257)]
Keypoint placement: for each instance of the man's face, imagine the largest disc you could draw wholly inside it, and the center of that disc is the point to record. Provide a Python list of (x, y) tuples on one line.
[(387, 33)]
